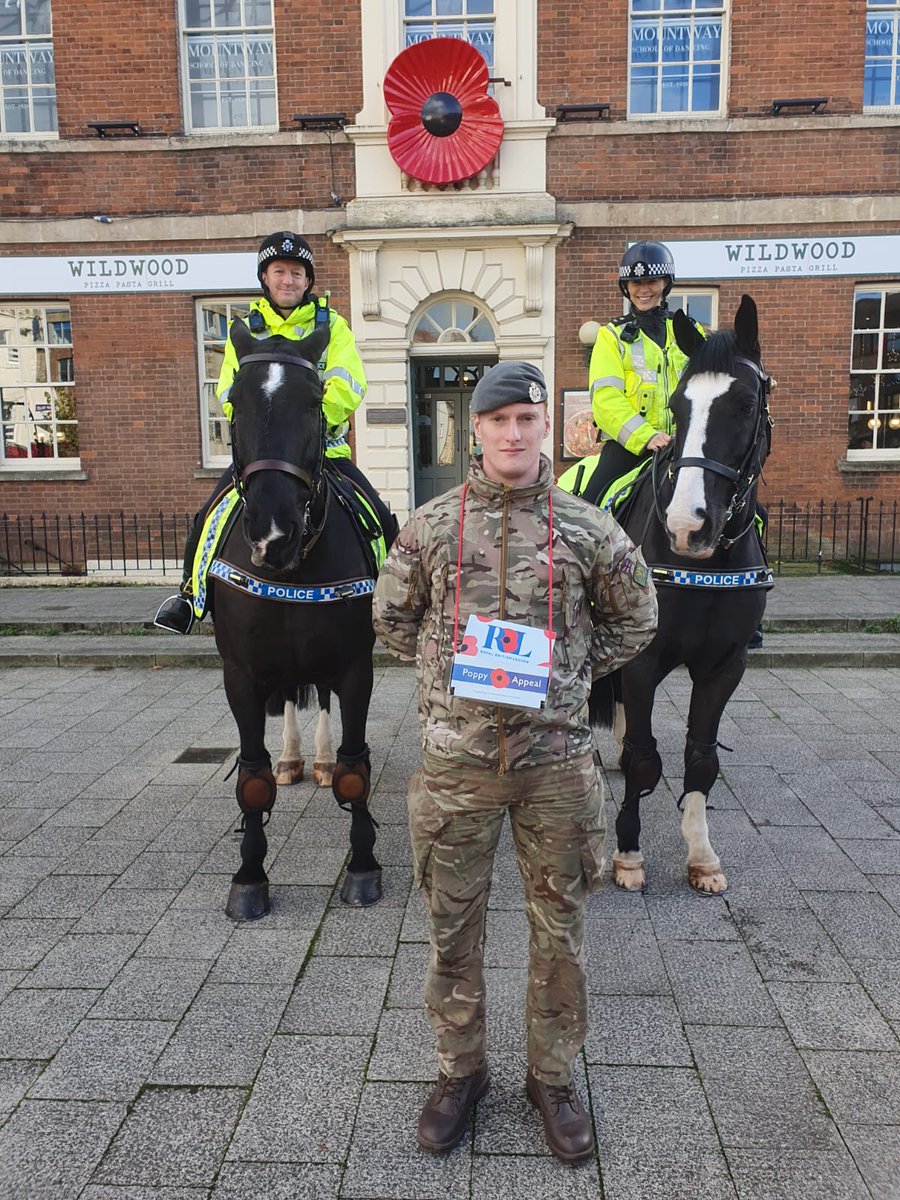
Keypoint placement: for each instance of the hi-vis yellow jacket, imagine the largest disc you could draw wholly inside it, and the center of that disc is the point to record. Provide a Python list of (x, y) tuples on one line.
[(341, 372), (631, 383)]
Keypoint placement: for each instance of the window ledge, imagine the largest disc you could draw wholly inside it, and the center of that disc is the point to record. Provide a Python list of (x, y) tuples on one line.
[(867, 466), (209, 472), (40, 476)]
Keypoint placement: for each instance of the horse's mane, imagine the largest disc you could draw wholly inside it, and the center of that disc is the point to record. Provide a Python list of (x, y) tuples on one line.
[(715, 355)]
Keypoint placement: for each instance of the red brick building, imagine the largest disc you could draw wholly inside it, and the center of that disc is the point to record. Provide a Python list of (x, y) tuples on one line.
[(145, 151)]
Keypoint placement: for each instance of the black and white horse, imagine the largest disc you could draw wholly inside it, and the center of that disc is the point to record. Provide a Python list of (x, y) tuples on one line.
[(292, 599), (695, 521)]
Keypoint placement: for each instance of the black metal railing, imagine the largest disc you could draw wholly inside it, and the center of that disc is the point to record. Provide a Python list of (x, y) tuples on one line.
[(117, 543), (860, 535)]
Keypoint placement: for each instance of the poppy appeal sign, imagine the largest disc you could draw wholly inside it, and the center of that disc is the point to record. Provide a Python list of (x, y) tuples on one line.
[(444, 126), (500, 662)]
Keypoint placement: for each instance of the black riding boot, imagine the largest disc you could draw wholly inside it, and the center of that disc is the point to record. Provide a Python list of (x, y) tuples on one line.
[(176, 613)]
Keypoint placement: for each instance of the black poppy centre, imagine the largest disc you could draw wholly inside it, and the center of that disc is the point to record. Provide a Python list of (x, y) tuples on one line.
[(441, 114)]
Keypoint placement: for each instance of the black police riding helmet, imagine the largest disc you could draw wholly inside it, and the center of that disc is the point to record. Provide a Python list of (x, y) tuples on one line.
[(509, 383), (647, 260), (289, 246)]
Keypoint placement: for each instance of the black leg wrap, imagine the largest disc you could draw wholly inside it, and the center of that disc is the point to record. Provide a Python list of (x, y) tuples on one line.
[(701, 766), (351, 783), (256, 788), (642, 766)]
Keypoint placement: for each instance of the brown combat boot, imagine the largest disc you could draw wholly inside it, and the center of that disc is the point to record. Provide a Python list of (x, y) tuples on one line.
[(567, 1127), (443, 1120)]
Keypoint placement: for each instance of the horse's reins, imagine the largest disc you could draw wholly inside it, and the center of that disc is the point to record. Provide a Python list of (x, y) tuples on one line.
[(312, 480), (745, 476)]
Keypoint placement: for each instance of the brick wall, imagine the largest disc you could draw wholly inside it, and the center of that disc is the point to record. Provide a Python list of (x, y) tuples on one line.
[(805, 336), (138, 400)]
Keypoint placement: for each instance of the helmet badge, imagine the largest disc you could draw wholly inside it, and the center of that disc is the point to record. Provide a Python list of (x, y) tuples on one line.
[(287, 245), (639, 269)]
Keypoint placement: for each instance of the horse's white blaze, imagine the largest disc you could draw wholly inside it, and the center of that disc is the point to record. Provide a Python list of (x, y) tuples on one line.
[(258, 554), (687, 508), (274, 379), (291, 733), (324, 738), (695, 831)]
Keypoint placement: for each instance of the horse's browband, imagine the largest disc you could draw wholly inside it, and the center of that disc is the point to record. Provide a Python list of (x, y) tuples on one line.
[(292, 359)]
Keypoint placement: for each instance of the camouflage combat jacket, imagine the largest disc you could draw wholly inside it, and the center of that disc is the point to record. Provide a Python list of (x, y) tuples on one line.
[(604, 611)]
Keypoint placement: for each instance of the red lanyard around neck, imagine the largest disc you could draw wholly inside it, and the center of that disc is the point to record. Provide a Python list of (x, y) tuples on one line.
[(462, 516)]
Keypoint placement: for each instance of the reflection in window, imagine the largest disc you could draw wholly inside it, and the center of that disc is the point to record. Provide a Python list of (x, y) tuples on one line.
[(874, 409), (452, 321), (675, 57), (229, 63), (470, 20), (37, 387), (881, 82), (27, 76), (213, 318)]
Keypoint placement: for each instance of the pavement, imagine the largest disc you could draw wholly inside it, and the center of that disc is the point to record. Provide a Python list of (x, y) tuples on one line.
[(820, 620), (743, 1047)]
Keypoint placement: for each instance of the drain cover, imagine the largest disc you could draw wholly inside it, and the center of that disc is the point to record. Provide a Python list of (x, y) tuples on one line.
[(206, 754)]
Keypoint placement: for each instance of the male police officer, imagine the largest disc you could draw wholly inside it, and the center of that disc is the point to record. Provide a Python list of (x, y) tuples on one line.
[(516, 555), (289, 308)]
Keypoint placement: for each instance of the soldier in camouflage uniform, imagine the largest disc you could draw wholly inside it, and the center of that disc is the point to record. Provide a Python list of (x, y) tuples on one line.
[(481, 760)]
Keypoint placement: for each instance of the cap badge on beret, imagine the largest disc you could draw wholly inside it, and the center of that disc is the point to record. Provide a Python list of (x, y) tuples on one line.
[(534, 393)]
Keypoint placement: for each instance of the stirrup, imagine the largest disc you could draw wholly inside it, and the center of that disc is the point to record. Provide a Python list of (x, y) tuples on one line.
[(176, 614)]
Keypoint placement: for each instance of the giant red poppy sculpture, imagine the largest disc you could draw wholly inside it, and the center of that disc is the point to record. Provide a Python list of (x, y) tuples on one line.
[(444, 126)]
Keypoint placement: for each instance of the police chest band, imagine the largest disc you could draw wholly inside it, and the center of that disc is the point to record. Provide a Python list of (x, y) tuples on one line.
[(290, 593), (748, 577)]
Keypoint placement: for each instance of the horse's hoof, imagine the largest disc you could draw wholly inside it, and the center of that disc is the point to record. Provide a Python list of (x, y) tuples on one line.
[(707, 881), (289, 771), (248, 901), (323, 773), (361, 888), (631, 877)]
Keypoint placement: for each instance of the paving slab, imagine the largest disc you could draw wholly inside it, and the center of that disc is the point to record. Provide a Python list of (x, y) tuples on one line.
[(49, 1148)]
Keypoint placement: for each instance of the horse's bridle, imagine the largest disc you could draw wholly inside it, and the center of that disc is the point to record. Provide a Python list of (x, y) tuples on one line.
[(312, 480), (747, 473)]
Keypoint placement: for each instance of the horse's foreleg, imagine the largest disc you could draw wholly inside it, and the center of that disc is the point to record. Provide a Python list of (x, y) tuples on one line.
[(248, 898), (325, 761), (642, 767), (290, 766), (701, 766), (351, 785)]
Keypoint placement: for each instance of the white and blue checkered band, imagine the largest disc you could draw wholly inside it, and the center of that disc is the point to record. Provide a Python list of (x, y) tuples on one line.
[(639, 269), (287, 247), (290, 593), (744, 577)]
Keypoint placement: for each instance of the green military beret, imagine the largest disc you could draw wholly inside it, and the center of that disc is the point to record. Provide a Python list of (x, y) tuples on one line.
[(509, 383)]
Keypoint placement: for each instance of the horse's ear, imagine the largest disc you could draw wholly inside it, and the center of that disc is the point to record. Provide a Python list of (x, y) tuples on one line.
[(687, 335), (746, 326), (314, 346), (241, 338)]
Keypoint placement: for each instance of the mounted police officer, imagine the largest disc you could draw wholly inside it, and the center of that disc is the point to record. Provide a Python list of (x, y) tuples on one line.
[(288, 307), (635, 367), (508, 547)]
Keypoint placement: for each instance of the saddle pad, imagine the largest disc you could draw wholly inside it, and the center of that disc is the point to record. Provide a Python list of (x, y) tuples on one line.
[(218, 522)]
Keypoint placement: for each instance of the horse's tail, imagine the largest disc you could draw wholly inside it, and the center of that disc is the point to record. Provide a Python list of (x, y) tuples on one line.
[(298, 696), (602, 701)]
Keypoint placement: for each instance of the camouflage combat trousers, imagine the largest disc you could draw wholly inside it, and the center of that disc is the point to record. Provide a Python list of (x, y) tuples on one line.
[(455, 817)]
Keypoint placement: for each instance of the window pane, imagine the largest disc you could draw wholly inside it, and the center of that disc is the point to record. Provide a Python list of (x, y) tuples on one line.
[(867, 310), (37, 17), (260, 57), (257, 12), (859, 435), (226, 13), (449, 8), (418, 8), (892, 310), (862, 391), (10, 20), (643, 90), (865, 352), (674, 92)]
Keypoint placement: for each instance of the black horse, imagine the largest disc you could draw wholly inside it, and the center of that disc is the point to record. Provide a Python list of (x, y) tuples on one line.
[(292, 601), (694, 518)]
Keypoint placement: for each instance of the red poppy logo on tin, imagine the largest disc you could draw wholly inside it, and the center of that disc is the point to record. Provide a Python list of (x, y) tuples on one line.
[(444, 126)]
